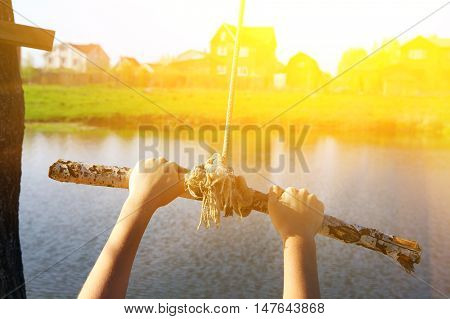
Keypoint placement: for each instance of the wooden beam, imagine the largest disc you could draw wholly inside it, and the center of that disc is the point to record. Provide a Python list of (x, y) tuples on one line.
[(25, 36), (12, 110)]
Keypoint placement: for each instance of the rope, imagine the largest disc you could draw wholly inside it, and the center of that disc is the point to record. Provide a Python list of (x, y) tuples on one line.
[(214, 181), (226, 151)]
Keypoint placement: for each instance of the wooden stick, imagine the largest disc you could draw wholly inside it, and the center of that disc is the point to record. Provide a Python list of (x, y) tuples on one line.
[(406, 252), (25, 36)]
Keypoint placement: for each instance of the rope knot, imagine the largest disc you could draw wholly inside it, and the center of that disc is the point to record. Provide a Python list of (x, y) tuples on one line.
[(220, 191)]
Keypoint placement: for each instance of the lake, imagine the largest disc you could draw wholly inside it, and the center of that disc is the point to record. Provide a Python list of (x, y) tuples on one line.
[(400, 186)]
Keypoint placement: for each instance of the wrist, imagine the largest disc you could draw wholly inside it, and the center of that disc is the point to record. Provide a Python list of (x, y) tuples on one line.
[(298, 240), (134, 203), (139, 209)]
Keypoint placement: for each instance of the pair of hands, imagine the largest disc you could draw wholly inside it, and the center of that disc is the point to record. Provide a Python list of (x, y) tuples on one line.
[(294, 212)]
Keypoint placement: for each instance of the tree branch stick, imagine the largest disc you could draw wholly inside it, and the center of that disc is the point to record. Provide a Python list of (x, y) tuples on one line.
[(406, 252)]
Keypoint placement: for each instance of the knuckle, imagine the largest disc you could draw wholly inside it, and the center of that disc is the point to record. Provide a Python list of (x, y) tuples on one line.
[(303, 192), (291, 190)]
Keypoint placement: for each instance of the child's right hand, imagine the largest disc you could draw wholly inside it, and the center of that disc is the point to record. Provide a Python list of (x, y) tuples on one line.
[(295, 213)]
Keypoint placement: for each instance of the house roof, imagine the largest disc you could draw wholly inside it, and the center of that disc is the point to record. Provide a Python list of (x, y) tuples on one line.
[(434, 40), (441, 42), (301, 57), (87, 48), (261, 34), (128, 59), (190, 55)]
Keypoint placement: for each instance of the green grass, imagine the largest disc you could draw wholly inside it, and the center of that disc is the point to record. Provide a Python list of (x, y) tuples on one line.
[(117, 108)]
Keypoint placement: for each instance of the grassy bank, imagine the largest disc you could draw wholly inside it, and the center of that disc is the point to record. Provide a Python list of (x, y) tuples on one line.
[(121, 107)]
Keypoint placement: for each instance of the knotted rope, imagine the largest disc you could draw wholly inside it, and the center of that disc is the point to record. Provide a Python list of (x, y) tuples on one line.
[(219, 189), (214, 182)]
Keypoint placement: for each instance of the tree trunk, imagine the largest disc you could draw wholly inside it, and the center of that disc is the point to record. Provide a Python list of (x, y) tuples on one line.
[(12, 284)]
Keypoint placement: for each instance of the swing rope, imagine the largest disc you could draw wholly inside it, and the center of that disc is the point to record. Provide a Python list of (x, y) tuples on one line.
[(214, 181), (226, 151)]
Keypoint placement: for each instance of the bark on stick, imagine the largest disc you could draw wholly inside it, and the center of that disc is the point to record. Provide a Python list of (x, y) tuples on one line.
[(406, 252)]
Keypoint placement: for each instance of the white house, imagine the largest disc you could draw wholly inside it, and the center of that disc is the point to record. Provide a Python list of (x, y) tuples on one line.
[(77, 57)]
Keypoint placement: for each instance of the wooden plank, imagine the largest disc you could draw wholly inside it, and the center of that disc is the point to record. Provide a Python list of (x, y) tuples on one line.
[(25, 36)]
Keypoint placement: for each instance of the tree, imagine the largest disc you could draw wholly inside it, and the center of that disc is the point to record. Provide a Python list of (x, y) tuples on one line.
[(12, 284)]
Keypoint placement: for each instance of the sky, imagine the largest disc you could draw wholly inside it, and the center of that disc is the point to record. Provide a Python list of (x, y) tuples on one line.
[(151, 29)]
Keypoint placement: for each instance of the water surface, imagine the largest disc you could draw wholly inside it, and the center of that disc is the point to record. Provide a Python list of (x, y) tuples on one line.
[(399, 187)]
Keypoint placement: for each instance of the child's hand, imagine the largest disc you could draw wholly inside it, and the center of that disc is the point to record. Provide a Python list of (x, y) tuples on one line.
[(155, 183), (294, 212)]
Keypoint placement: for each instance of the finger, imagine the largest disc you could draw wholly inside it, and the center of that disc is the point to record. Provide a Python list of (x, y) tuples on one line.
[(291, 191), (161, 160), (275, 192), (303, 195), (173, 168), (274, 196), (290, 195), (312, 201), (177, 168), (315, 204)]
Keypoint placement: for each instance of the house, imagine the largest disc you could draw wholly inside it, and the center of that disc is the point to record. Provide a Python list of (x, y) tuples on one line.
[(144, 74), (257, 59), (354, 73), (190, 68), (303, 73), (130, 71), (419, 66), (80, 58), (428, 61)]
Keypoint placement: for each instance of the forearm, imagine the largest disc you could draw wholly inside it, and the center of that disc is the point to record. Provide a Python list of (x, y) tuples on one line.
[(110, 275), (300, 268)]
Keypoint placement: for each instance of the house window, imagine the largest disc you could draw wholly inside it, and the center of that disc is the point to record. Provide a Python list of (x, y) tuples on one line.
[(243, 52), (416, 54), (63, 61), (223, 36), (242, 71), (74, 62), (221, 70), (222, 51), (50, 60)]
